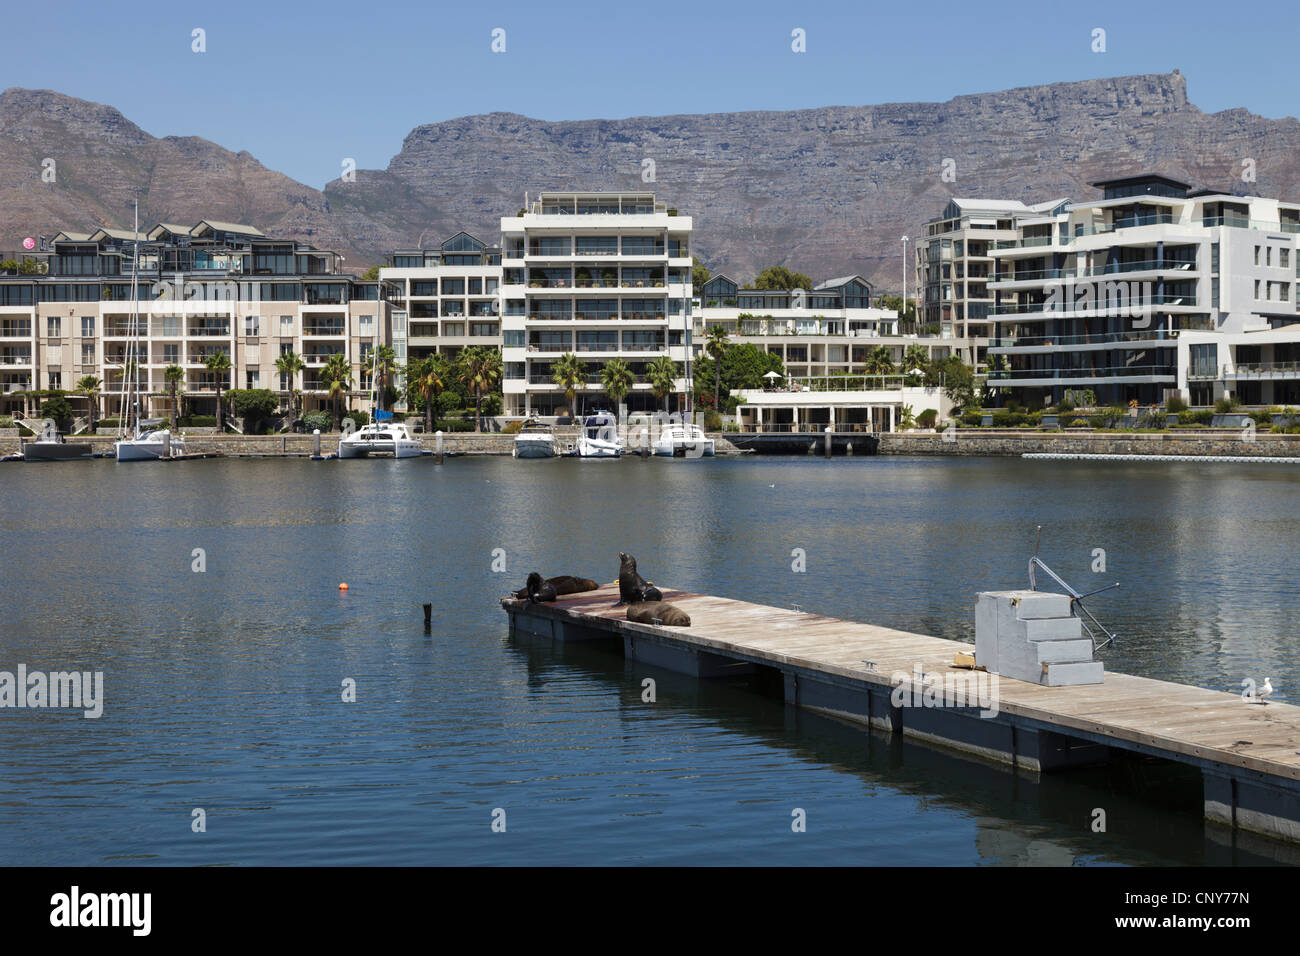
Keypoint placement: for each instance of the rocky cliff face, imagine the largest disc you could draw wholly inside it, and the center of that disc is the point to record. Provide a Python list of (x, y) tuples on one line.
[(826, 191)]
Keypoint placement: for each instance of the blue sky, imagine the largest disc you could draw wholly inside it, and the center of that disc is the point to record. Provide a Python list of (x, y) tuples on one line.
[(302, 85)]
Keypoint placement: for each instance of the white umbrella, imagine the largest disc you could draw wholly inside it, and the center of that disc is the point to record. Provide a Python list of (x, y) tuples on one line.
[(772, 375)]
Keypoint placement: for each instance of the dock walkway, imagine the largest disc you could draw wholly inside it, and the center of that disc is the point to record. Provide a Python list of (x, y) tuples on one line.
[(1249, 753)]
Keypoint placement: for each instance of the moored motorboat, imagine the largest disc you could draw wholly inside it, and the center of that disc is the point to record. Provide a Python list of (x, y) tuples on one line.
[(52, 447), (150, 445), (598, 437), (534, 440)]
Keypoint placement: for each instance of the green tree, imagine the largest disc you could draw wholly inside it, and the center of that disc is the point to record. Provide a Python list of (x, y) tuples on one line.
[(743, 366), (906, 314), (89, 385), (571, 375), (779, 277), (426, 378), (371, 274), (879, 362), (384, 363), (336, 376), (480, 371), (173, 375), (617, 379), (915, 359), (218, 364), (699, 273), (715, 346), (289, 364), (56, 407), (957, 380), (662, 375), (255, 406)]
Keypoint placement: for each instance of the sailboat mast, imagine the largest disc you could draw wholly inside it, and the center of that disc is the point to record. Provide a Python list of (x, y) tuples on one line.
[(135, 315)]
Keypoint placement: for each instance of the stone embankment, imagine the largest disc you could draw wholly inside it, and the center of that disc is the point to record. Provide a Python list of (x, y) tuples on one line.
[(1200, 443)]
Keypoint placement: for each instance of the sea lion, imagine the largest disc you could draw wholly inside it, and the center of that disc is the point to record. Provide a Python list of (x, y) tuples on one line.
[(538, 591), (631, 586), (564, 584), (658, 612), (648, 593)]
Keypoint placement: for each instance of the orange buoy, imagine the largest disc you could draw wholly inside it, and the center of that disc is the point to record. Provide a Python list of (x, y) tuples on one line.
[(343, 586)]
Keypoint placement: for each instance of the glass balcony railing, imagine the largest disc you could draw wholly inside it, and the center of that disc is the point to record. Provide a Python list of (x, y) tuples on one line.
[(1110, 371), (1104, 338), (1167, 300)]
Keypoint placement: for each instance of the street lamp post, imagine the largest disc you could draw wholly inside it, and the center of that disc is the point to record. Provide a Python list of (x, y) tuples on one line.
[(902, 312)]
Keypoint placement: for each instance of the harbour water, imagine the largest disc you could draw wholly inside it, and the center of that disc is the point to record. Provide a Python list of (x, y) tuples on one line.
[(223, 687)]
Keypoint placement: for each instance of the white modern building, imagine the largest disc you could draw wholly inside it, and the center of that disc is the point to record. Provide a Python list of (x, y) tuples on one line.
[(1152, 290), (954, 263), (601, 275)]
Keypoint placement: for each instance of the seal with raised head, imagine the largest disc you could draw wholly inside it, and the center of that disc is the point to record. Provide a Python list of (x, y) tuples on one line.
[(538, 591), (658, 612), (563, 584), (631, 586)]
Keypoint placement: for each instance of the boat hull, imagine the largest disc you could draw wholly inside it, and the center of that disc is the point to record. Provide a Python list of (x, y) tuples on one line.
[(702, 448), (55, 451), (151, 448), (534, 449), (381, 449)]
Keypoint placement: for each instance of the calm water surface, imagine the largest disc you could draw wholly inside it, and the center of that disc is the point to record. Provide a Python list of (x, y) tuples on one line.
[(223, 688)]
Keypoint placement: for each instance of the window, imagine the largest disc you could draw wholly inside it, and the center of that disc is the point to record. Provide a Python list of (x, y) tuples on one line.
[(1284, 258), (1257, 281), (172, 354), (513, 339), (56, 380), (1268, 255), (453, 286), (252, 324), (366, 321), (54, 326), (1257, 260), (1284, 291), (87, 326), (475, 286), (87, 353), (1214, 292), (251, 378), (286, 325), (491, 285), (1214, 258), (1268, 290)]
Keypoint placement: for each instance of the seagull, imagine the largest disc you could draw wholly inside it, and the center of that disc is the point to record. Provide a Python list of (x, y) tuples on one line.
[(1267, 690), (771, 486)]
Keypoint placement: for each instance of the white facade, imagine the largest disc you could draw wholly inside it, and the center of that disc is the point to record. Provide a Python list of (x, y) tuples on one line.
[(601, 275)]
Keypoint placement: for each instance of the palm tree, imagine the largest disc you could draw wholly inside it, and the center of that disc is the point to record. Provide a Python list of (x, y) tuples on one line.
[(173, 375), (219, 364), (336, 376), (879, 362), (480, 370), (89, 385), (915, 358), (427, 377), (384, 363), (571, 375), (662, 374), (715, 344), (289, 364), (617, 380)]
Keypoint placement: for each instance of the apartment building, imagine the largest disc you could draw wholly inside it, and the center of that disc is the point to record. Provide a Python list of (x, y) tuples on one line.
[(602, 275), (213, 287), (954, 263), (445, 299), (1153, 290)]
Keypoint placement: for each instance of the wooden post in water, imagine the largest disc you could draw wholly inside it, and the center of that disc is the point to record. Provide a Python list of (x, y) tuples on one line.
[(428, 618), (315, 443), (437, 456), (828, 441)]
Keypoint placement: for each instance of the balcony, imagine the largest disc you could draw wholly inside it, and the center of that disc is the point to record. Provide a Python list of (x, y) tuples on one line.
[(331, 329), (1108, 373), (15, 358), (15, 329), (1061, 307), (1105, 338), (210, 329), (1255, 371)]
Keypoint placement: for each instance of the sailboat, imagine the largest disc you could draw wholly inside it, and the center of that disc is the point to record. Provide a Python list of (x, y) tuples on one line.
[(152, 443)]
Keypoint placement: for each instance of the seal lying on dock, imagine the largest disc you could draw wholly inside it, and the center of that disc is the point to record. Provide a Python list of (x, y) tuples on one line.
[(658, 612), (564, 584), (537, 591), (632, 588)]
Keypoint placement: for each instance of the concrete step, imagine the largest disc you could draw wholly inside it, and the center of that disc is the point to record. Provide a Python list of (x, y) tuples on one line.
[(1072, 674), (1033, 605), (1053, 629), (1063, 652)]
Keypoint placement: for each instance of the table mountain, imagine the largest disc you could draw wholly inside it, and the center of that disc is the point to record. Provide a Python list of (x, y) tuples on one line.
[(824, 191)]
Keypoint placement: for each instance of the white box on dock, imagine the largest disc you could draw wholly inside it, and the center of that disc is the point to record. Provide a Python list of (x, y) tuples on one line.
[(1033, 637)]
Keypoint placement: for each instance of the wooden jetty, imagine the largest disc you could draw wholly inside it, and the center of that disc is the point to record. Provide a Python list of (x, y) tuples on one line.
[(1248, 753)]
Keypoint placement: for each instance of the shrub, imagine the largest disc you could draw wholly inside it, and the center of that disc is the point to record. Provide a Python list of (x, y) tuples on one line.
[(927, 418), (57, 408), (712, 421), (972, 418), (197, 421), (453, 425), (1175, 405), (1261, 418), (512, 428), (317, 419), (1225, 405), (360, 418), (1063, 406), (1202, 417), (1078, 423), (492, 405)]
